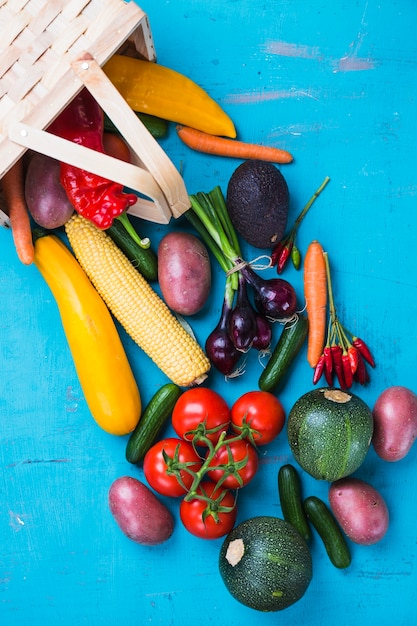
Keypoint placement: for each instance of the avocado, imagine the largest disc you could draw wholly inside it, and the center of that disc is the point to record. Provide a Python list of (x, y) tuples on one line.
[(258, 200)]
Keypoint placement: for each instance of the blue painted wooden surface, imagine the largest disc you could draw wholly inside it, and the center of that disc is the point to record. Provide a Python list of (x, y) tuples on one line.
[(335, 83)]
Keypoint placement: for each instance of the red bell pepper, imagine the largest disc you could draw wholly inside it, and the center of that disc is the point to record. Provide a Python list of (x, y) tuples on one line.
[(94, 197)]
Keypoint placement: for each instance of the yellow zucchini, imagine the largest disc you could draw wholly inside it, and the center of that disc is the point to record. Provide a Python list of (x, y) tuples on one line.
[(103, 370)]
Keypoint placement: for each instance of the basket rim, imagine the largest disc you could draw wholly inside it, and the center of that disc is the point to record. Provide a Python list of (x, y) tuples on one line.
[(104, 19)]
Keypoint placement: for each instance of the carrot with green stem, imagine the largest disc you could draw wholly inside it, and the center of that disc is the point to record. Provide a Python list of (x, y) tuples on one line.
[(14, 196), (222, 146), (315, 293)]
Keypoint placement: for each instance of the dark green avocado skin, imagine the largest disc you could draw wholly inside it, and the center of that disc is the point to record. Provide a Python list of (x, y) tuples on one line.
[(258, 201), (329, 432)]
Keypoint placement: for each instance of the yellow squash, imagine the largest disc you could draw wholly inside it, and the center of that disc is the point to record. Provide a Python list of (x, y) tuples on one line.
[(157, 90), (105, 375)]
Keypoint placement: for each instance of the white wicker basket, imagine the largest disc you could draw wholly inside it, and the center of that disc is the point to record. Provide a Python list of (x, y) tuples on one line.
[(50, 50)]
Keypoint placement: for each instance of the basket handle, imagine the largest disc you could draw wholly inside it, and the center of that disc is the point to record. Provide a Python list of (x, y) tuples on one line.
[(151, 173), (126, 174), (145, 149)]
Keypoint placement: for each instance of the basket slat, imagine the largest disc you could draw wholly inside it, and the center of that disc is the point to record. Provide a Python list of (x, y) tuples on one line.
[(41, 45), (145, 149), (69, 29)]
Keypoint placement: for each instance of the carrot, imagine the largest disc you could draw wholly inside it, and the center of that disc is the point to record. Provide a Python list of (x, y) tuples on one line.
[(14, 195), (315, 293), (221, 146)]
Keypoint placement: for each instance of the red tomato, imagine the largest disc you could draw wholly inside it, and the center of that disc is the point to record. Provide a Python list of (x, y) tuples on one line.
[(165, 476), (203, 409), (262, 412), (207, 520), (229, 455), (116, 147)]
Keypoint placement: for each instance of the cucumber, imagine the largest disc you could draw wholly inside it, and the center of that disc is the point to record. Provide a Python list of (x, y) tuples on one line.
[(155, 125), (289, 489), (329, 530), (289, 344), (150, 424), (144, 259)]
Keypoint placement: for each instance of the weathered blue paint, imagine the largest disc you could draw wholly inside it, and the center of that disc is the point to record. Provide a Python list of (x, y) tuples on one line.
[(334, 83)]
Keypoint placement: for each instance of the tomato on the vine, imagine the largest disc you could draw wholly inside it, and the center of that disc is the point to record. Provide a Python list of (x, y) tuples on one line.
[(235, 463), (262, 412), (202, 410), (163, 466), (211, 514)]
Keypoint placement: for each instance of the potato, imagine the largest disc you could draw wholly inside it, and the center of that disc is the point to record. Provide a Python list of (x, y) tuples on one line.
[(395, 423), (360, 510), (46, 199), (140, 515), (184, 272)]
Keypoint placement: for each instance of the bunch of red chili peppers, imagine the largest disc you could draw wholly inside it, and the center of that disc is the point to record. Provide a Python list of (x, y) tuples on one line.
[(345, 356)]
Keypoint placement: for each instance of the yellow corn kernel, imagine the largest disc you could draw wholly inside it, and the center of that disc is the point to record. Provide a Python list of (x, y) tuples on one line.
[(137, 307)]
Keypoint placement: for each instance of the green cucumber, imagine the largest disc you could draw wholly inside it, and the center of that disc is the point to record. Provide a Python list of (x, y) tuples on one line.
[(329, 530), (151, 422), (157, 126), (289, 344), (289, 489), (144, 259)]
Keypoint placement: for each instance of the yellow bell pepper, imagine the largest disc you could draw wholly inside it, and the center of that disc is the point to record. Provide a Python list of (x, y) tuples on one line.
[(157, 90)]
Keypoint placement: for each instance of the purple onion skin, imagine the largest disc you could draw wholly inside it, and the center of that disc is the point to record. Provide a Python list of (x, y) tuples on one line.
[(263, 336), (219, 346), (242, 321), (222, 353), (275, 298)]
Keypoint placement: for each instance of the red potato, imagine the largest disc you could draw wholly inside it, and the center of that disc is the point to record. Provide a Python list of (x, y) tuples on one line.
[(395, 423), (140, 515), (184, 272), (45, 196), (360, 510)]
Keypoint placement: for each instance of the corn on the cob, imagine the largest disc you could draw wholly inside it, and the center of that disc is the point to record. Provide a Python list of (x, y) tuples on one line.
[(138, 308)]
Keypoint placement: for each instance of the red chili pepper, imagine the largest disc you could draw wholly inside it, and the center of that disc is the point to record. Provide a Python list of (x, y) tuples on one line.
[(284, 256), (94, 197), (353, 358), (338, 365), (361, 375), (318, 370), (347, 370), (328, 358), (276, 252), (328, 365), (363, 350)]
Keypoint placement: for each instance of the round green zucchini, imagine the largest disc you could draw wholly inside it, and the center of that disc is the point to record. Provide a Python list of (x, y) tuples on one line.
[(329, 432), (265, 564)]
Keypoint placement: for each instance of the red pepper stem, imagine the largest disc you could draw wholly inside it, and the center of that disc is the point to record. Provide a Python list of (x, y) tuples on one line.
[(143, 243), (337, 327), (309, 204)]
